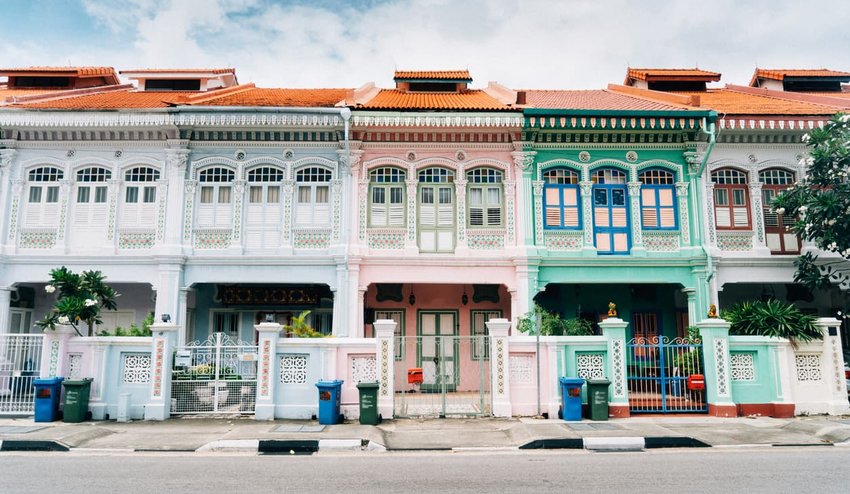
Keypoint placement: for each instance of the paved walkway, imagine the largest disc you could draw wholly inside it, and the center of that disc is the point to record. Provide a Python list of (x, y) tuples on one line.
[(219, 434)]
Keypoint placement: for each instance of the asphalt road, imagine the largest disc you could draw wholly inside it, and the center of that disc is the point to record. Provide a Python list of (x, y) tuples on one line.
[(773, 470)]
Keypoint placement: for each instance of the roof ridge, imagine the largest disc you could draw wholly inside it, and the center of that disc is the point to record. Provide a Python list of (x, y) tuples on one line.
[(687, 102), (211, 95)]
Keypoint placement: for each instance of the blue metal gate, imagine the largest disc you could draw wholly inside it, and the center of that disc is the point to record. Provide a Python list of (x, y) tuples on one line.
[(666, 375)]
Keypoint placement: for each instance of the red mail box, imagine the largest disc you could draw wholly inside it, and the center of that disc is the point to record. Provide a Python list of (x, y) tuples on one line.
[(696, 382), (414, 375)]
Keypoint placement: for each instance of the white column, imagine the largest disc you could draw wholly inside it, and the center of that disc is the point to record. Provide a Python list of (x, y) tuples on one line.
[(614, 330), (168, 291), (833, 361), (181, 315), (267, 335), (500, 385), (162, 346), (718, 375), (385, 362), (637, 226), (6, 157), (340, 323), (177, 210), (5, 302), (54, 353)]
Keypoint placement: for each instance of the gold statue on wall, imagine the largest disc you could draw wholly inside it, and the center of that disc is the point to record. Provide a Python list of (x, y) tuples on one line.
[(612, 309)]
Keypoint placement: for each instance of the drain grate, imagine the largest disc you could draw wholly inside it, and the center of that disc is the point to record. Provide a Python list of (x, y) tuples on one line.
[(299, 428)]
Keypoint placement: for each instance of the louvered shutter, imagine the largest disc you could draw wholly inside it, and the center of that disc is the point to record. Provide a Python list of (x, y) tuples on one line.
[(476, 206)]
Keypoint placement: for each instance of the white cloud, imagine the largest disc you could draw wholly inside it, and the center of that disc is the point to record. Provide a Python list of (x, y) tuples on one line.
[(522, 43)]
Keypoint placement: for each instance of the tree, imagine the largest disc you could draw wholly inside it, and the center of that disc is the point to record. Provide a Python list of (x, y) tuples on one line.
[(80, 299), (820, 204)]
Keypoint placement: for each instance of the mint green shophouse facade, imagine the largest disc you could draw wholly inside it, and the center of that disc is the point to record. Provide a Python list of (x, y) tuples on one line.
[(616, 214)]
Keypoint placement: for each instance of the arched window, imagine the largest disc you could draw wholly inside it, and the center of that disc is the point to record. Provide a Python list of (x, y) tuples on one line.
[(484, 197), (43, 196), (263, 212), (610, 212), (264, 185), (215, 197), (139, 209), (561, 199), (658, 200), (779, 239), (731, 199), (92, 175), (313, 201), (436, 210), (386, 196)]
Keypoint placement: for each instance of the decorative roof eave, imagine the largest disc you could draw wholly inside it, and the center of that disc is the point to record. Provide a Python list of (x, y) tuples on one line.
[(618, 120), (761, 123), (179, 116), (411, 119)]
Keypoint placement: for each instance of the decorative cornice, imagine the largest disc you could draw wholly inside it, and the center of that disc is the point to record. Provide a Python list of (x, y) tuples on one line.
[(772, 124), (17, 118), (612, 123), (437, 120)]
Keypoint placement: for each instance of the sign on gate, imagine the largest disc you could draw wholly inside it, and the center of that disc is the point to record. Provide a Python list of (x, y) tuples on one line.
[(20, 358), (218, 375), (666, 375)]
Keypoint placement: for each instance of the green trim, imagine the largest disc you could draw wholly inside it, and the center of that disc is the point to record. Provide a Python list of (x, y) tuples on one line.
[(436, 228), (486, 332), (484, 206), (400, 330)]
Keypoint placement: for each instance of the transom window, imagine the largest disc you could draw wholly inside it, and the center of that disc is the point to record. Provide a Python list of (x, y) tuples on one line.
[(313, 174), (436, 176), (485, 197), (142, 174), (561, 199), (776, 176), (731, 199), (608, 176), (387, 197), (657, 197), (46, 174), (216, 175), (93, 175), (560, 176), (266, 174)]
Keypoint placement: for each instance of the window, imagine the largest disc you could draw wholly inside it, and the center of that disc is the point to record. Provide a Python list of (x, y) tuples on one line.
[(312, 205), (263, 212), (215, 199), (561, 199), (779, 240), (731, 199), (436, 210), (485, 197), (387, 197), (92, 175), (226, 322), (479, 332), (42, 197), (610, 212), (658, 200)]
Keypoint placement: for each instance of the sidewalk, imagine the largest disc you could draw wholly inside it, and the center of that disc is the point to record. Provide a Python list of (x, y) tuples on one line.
[(246, 434)]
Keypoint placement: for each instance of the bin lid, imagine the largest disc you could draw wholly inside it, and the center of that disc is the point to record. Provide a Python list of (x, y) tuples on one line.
[(368, 385), (47, 381), (601, 382), (329, 384), (574, 381), (78, 382)]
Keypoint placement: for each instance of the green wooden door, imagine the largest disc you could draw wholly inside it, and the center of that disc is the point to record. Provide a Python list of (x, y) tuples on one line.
[(438, 351)]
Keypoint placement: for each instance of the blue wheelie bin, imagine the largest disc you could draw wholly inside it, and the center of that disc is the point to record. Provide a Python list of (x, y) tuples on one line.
[(571, 398), (47, 393), (329, 396)]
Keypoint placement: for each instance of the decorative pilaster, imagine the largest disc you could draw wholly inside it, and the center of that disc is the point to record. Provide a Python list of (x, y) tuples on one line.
[(756, 213), (161, 202), (188, 215), (288, 190), (176, 221), (691, 294), (460, 194), (718, 381), (385, 360), (267, 336), (637, 225), (510, 218), (112, 186), (336, 210), (614, 331), (587, 213), (537, 192), (411, 211), (500, 386), (55, 350), (363, 195), (14, 211), (64, 197), (182, 315), (709, 213), (162, 346), (833, 362), (684, 215), (6, 158), (238, 220)]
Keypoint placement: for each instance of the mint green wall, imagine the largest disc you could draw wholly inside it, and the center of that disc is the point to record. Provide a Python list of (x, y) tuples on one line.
[(763, 389)]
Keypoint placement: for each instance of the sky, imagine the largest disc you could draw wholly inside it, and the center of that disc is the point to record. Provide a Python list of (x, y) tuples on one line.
[(523, 44)]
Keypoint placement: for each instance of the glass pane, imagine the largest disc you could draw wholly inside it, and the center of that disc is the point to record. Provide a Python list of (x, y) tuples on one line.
[(378, 195), (493, 196), (100, 194), (600, 197), (53, 194), (428, 196), (83, 194), (476, 197), (721, 197), (224, 195), (445, 195), (322, 195), (396, 195), (132, 195), (206, 195), (35, 194), (255, 194), (273, 195), (304, 194), (739, 197), (150, 194), (618, 197)]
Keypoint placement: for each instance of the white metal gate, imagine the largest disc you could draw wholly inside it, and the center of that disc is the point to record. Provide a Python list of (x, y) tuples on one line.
[(20, 358), (218, 375)]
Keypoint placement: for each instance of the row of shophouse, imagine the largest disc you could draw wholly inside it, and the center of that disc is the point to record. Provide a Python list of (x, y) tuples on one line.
[(431, 204)]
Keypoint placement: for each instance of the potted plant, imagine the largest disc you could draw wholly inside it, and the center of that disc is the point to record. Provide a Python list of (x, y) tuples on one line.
[(772, 318), (300, 328)]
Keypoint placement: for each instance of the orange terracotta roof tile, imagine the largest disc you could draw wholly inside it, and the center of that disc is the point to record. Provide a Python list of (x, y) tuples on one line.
[(671, 75), (594, 99), (175, 71), (730, 102), (280, 97), (433, 74), (393, 99), (781, 74), (72, 71), (115, 100)]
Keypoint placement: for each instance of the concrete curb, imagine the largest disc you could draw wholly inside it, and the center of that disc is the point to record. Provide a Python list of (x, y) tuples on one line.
[(626, 443), (614, 443)]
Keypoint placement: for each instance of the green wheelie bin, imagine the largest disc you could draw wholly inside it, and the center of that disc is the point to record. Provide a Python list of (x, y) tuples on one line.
[(597, 398), (369, 403), (76, 400)]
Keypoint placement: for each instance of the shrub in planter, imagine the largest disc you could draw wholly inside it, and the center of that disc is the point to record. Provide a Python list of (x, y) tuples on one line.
[(772, 318)]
